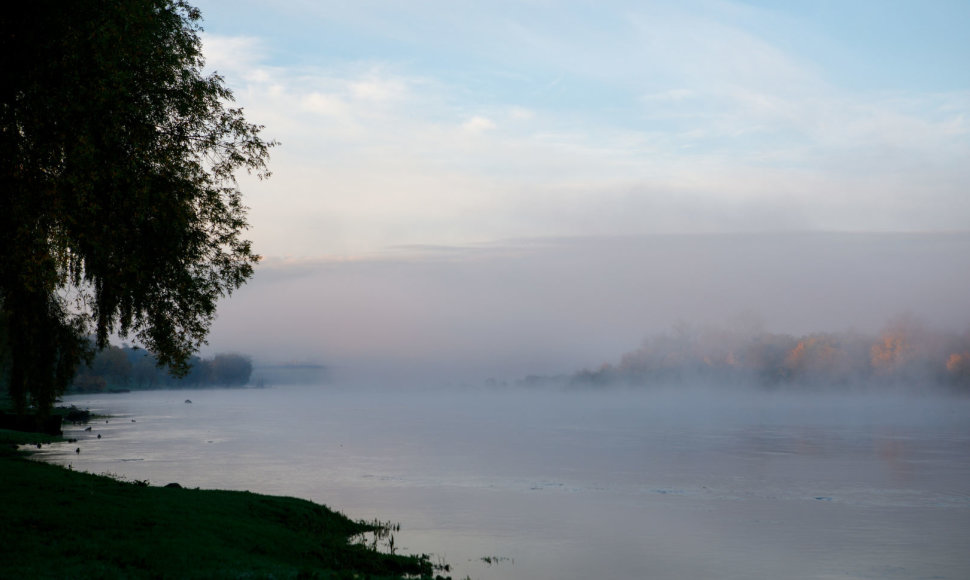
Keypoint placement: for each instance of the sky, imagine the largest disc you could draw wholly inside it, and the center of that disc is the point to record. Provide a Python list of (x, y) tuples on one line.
[(493, 187)]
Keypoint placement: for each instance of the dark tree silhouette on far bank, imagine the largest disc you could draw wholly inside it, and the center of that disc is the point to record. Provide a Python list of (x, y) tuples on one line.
[(120, 210), (122, 368)]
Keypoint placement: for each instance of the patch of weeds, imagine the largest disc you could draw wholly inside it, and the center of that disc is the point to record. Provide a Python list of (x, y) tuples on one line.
[(378, 536), (495, 560), (75, 415), (123, 479)]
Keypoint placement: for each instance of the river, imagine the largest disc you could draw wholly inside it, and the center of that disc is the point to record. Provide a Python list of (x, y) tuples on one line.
[(542, 484)]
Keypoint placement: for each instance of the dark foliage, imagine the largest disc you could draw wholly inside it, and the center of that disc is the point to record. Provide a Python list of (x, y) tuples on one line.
[(121, 213), (133, 368)]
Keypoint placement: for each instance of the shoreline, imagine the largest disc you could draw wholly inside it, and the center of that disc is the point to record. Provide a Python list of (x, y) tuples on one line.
[(65, 523)]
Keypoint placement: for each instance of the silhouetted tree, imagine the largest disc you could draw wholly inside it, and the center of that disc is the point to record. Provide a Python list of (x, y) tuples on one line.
[(120, 209), (110, 366), (121, 367), (230, 369)]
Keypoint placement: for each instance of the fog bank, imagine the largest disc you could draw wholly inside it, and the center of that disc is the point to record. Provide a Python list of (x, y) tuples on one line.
[(552, 306)]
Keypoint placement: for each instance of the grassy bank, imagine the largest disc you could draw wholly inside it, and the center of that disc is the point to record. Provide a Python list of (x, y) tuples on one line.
[(57, 523)]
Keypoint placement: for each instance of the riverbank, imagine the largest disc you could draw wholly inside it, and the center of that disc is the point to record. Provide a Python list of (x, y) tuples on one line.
[(59, 523)]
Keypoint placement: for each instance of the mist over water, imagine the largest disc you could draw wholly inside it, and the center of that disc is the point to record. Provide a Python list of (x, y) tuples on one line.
[(430, 314), (685, 482)]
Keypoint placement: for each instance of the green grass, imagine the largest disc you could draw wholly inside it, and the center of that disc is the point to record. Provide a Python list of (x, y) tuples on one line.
[(57, 523), (10, 439)]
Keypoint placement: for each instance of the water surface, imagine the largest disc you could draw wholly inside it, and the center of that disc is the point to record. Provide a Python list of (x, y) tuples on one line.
[(577, 485)]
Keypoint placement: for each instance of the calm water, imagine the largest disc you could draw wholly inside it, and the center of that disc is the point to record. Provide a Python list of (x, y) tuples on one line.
[(580, 485)]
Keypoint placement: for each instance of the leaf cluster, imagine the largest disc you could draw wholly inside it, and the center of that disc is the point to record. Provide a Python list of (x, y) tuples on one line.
[(122, 213)]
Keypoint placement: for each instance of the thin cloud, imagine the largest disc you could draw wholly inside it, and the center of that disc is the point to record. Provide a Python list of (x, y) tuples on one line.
[(323, 104), (477, 125), (521, 113), (235, 55), (691, 121), (378, 89)]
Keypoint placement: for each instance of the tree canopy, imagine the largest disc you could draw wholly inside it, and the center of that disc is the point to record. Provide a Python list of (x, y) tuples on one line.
[(121, 213)]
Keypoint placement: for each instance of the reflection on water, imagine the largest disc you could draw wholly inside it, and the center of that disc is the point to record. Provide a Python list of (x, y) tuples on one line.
[(505, 484)]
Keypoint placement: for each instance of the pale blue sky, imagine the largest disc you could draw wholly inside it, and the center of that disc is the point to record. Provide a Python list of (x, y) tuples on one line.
[(887, 44), (475, 125), (461, 122)]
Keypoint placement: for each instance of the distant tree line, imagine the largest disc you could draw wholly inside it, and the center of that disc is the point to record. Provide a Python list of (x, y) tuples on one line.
[(905, 354), (127, 367)]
